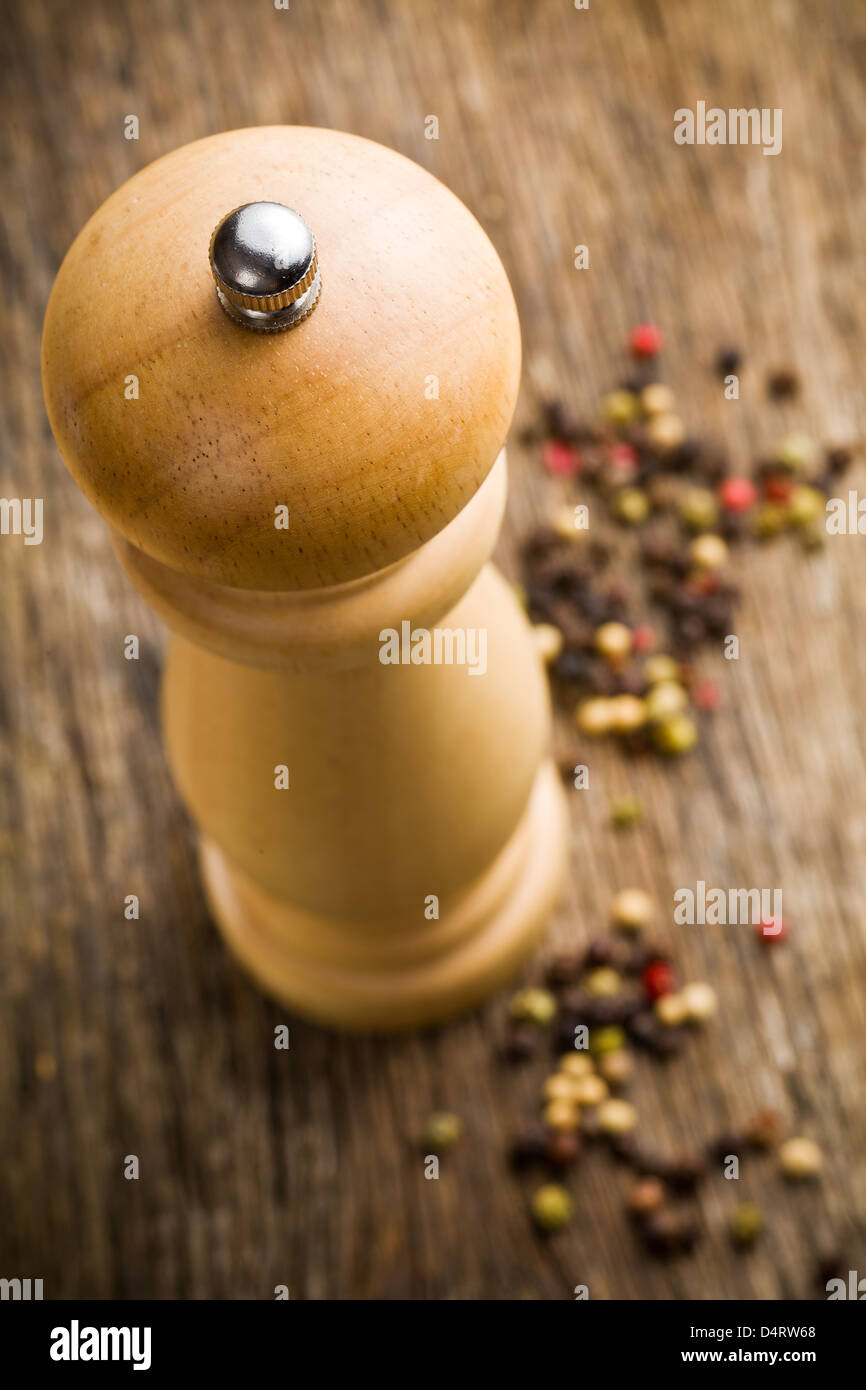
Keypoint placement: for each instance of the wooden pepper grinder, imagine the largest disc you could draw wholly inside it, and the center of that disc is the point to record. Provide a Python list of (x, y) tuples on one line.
[(282, 363)]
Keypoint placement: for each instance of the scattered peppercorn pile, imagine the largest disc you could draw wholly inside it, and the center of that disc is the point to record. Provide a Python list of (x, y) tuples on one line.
[(619, 995), (690, 510)]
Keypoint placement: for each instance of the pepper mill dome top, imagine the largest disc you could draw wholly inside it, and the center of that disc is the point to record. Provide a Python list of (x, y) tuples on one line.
[(272, 459)]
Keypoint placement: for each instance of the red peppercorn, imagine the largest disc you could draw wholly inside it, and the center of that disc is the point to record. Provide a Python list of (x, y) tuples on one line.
[(776, 488), (658, 978), (770, 930), (560, 459), (643, 638), (707, 696), (645, 340), (737, 494)]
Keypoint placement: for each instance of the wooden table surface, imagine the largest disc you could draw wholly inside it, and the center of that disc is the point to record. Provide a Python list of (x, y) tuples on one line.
[(122, 1037)]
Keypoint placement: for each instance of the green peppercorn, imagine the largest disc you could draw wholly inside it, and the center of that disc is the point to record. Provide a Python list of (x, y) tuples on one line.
[(796, 452), (626, 811), (746, 1223), (805, 505), (608, 1039), (770, 519), (536, 1006), (620, 407), (603, 982), (552, 1207), (699, 509), (676, 734), (631, 506), (442, 1131)]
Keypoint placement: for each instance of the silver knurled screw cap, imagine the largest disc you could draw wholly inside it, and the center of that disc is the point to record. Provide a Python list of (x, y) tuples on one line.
[(264, 262)]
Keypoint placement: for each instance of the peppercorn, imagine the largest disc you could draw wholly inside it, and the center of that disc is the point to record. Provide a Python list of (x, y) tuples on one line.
[(698, 510), (520, 1043), (552, 1207), (771, 930), (645, 340), (604, 1040), (632, 506), (626, 812), (442, 1131), (839, 459), (602, 950), (764, 1130), (589, 1090), (671, 1010), (676, 734), (617, 1116), (576, 1065), (782, 383), (708, 552), (602, 982), (627, 714), (632, 909), (561, 1114), (805, 505), (770, 520), (594, 717), (746, 1223), (664, 699), (657, 399), (684, 1171), (728, 361), (559, 1086), (613, 642), (562, 1150), (700, 1000), (548, 641), (536, 1006), (737, 494), (620, 407), (668, 1232), (529, 1145), (646, 1197), (643, 638), (665, 433), (707, 696), (658, 979), (564, 969), (795, 452), (560, 459), (616, 1068), (661, 668), (725, 1145)]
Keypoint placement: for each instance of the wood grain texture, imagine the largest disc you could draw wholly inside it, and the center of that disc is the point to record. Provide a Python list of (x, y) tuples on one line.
[(261, 1167)]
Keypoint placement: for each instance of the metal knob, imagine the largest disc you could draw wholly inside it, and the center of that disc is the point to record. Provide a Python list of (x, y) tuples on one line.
[(264, 262)]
